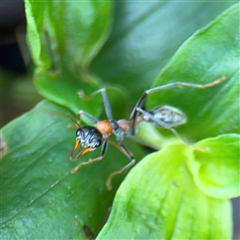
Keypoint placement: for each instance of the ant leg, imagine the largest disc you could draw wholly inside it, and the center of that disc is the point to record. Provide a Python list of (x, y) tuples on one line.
[(89, 116), (83, 113), (186, 142), (179, 136), (90, 161), (105, 101), (132, 162), (140, 103), (135, 121), (186, 84)]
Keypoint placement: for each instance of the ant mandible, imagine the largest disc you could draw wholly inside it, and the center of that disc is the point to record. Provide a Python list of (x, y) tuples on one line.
[(162, 116)]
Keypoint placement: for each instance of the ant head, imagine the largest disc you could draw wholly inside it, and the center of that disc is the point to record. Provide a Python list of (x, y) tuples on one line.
[(90, 139)]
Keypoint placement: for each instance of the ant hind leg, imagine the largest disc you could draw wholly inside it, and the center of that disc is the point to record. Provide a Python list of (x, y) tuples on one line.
[(87, 115), (186, 142), (125, 168)]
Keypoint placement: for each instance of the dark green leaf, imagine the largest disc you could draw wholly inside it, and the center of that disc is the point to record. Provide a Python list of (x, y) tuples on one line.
[(64, 91), (39, 197), (145, 35), (210, 53), (66, 94)]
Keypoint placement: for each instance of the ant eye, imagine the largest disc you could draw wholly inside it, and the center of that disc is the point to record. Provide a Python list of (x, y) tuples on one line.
[(78, 132)]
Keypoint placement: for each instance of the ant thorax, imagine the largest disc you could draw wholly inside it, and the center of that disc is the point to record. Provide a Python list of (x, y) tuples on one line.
[(164, 116), (105, 128)]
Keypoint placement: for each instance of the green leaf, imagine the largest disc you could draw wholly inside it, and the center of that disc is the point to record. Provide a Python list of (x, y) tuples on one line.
[(66, 94), (144, 37), (66, 34), (63, 90), (35, 41), (64, 37), (170, 206), (210, 53), (39, 197), (216, 172)]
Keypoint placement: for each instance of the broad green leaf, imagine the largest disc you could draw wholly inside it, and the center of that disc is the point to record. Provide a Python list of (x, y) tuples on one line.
[(66, 94), (63, 90), (64, 37), (144, 37), (40, 199), (159, 200), (152, 139), (35, 39), (217, 172), (210, 53), (66, 34)]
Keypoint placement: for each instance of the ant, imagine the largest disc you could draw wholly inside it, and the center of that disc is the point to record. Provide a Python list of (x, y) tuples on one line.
[(92, 137)]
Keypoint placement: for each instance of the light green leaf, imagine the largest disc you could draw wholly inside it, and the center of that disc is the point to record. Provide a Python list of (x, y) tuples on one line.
[(66, 35), (35, 40), (159, 200), (63, 38), (217, 172)]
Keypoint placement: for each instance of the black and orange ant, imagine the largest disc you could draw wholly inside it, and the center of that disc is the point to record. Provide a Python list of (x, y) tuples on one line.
[(92, 137)]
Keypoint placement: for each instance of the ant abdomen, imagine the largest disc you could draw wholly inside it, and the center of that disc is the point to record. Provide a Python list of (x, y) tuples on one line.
[(170, 115), (163, 116)]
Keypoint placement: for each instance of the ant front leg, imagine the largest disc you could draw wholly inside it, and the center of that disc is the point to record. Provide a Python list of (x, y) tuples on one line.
[(187, 143), (123, 149), (106, 102), (89, 116), (90, 161)]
